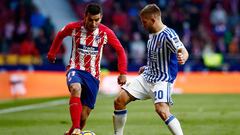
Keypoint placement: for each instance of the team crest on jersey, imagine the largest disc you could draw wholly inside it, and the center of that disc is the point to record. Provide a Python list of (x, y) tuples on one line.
[(98, 39)]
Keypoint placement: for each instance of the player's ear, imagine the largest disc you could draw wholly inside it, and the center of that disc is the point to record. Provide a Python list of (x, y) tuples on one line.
[(153, 20)]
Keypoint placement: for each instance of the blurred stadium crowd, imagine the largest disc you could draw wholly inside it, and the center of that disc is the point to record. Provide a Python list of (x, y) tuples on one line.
[(210, 30)]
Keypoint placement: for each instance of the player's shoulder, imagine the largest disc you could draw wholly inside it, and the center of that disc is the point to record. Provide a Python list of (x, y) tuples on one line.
[(105, 28), (169, 32), (73, 25)]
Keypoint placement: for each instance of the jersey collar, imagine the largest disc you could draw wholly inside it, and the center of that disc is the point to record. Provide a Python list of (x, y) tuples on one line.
[(153, 34)]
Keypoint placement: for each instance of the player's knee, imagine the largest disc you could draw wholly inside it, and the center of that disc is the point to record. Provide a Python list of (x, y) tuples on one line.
[(119, 103), (75, 90), (162, 112)]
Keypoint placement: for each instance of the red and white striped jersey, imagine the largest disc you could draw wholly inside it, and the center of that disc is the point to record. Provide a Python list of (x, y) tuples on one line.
[(87, 47)]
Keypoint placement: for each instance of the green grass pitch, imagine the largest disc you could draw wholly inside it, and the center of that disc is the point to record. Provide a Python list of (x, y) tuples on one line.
[(198, 114)]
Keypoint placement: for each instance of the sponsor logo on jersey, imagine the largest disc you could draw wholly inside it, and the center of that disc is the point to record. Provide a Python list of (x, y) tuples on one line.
[(89, 50)]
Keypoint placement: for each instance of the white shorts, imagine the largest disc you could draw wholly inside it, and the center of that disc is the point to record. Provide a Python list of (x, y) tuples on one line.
[(141, 89)]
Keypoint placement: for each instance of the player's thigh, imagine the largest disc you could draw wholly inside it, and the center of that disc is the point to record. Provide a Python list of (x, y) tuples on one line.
[(123, 98), (90, 89), (74, 82), (73, 76), (89, 86), (161, 92), (137, 88)]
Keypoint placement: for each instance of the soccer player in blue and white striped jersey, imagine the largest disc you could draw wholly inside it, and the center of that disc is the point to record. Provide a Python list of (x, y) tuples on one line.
[(155, 81)]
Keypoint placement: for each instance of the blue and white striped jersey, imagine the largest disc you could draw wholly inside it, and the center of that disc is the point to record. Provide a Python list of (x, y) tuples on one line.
[(162, 62)]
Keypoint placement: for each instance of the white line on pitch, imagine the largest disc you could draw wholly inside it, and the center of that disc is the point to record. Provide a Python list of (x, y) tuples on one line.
[(33, 106)]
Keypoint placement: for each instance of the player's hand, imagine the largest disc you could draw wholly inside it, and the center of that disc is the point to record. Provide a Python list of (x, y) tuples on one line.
[(141, 69), (122, 79), (51, 58), (180, 58)]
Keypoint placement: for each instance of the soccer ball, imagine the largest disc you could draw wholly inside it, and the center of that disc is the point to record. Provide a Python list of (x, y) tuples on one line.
[(87, 132)]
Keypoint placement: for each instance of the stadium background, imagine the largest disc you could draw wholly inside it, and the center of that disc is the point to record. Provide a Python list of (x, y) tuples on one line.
[(209, 81), (210, 30)]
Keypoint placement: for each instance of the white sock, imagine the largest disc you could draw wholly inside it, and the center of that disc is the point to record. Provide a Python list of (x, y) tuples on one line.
[(119, 120), (174, 125)]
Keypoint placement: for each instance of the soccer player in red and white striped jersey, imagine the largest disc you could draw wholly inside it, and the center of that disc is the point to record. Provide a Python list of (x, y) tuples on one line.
[(88, 38)]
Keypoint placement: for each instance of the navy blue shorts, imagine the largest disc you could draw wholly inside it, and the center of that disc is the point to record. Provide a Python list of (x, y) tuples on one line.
[(89, 84)]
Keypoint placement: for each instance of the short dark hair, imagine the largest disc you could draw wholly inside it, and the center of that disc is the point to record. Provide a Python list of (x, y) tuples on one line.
[(93, 9)]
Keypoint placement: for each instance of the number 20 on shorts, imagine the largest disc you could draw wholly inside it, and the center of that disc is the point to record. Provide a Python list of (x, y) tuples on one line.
[(158, 94)]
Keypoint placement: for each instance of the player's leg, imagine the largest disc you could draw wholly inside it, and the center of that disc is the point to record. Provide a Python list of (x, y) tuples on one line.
[(171, 121), (85, 113), (120, 112), (136, 89), (75, 104), (88, 96), (161, 95), (75, 107)]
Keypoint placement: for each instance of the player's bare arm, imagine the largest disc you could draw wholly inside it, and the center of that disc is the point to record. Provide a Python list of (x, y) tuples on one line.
[(182, 55)]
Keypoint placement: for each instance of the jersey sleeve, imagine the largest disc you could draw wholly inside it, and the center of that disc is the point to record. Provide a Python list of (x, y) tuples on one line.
[(115, 43), (173, 41), (65, 31)]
